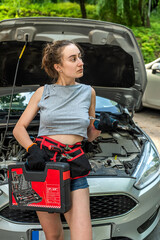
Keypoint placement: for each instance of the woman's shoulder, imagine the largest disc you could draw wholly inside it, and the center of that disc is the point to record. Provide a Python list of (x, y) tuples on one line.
[(43, 89), (38, 93), (93, 91), (89, 87), (84, 85)]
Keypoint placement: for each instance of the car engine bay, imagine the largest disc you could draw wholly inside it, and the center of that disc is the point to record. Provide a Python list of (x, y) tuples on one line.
[(114, 153)]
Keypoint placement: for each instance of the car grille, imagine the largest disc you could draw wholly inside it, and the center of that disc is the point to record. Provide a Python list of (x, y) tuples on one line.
[(100, 206), (110, 205)]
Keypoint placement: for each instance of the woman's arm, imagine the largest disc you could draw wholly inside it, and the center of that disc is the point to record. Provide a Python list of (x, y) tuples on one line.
[(19, 131), (91, 131)]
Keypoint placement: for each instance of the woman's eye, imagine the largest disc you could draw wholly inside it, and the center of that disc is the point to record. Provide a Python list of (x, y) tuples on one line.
[(73, 59)]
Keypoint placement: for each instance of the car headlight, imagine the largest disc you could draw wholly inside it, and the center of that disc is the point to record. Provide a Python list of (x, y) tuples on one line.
[(148, 168)]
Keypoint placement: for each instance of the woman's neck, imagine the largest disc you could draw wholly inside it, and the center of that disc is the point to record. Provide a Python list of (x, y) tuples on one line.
[(65, 82)]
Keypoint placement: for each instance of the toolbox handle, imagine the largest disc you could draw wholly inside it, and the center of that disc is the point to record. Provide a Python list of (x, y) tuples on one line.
[(31, 175), (35, 175)]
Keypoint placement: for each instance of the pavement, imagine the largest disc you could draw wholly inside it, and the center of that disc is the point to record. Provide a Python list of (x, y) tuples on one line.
[(149, 121)]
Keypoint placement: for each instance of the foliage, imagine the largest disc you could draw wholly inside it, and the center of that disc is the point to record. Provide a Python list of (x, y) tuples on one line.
[(148, 38), (149, 42), (65, 9), (94, 2), (126, 12)]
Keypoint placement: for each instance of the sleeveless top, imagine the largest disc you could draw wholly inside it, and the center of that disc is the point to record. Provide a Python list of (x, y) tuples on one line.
[(65, 110)]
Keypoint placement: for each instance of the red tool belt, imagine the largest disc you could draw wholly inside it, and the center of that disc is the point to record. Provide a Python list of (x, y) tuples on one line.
[(73, 154)]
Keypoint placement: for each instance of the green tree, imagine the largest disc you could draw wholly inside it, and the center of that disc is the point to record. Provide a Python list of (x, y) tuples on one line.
[(83, 9), (82, 5), (94, 2), (127, 12), (107, 10)]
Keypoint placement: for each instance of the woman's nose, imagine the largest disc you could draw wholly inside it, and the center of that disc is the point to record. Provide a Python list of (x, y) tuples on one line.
[(80, 61)]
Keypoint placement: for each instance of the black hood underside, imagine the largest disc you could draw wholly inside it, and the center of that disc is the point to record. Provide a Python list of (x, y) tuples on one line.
[(105, 66), (113, 63)]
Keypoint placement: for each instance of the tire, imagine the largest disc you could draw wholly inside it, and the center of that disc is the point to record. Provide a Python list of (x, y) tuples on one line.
[(140, 108)]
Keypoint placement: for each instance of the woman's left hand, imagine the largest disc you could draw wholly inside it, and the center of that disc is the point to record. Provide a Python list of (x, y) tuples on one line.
[(93, 133)]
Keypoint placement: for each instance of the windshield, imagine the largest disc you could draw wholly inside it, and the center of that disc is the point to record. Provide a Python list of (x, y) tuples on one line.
[(20, 101), (107, 105)]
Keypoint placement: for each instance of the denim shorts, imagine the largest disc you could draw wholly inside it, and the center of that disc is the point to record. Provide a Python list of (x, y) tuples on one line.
[(79, 183)]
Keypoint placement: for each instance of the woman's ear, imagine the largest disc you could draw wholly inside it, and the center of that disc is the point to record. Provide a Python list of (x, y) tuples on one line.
[(57, 67)]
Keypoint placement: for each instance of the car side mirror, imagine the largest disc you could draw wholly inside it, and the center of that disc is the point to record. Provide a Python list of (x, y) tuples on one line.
[(155, 68)]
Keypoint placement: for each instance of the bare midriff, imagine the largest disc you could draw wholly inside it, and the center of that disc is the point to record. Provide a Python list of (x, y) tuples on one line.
[(67, 139)]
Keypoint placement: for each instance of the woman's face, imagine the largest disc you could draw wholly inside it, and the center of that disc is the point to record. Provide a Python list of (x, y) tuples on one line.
[(71, 63)]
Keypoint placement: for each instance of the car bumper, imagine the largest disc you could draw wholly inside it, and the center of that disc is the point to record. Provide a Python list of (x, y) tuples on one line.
[(137, 223), (143, 218)]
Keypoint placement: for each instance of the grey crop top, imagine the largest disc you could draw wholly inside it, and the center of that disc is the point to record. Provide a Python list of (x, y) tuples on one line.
[(65, 110)]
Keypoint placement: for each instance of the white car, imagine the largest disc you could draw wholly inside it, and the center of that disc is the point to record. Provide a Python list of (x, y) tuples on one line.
[(151, 97), (125, 177)]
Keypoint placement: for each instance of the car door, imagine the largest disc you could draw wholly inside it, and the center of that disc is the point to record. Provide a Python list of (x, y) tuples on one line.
[(151, 96)]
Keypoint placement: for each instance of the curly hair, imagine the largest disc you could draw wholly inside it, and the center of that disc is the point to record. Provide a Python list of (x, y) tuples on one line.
[(52, 54)]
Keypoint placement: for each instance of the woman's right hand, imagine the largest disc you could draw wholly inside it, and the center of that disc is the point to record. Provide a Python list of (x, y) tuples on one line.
[(37, 158)]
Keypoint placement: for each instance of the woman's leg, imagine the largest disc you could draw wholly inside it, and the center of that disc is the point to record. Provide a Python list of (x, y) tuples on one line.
[(51, 224), (78, 217)]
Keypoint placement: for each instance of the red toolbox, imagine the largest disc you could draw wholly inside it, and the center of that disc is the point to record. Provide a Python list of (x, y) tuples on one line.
[(47, 190)]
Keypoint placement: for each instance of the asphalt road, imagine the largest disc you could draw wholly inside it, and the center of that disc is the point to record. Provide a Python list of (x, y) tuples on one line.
[(149, 121)]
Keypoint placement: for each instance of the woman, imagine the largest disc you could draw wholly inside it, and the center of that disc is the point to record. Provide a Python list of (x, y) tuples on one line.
[(65, 107)]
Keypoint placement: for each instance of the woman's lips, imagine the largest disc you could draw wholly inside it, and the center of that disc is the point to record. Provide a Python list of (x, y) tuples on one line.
[(80, 70)]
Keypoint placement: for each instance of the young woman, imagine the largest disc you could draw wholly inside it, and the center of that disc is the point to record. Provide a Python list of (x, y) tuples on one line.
[(65, 109)]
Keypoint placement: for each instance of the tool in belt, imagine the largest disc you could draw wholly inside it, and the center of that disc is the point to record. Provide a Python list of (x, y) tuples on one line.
[(73, 154)]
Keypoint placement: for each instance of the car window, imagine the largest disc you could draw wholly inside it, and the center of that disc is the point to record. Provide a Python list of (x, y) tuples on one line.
[(107, 105)]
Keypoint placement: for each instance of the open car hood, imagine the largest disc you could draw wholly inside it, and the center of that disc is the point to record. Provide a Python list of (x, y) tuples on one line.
[(113, 63)]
